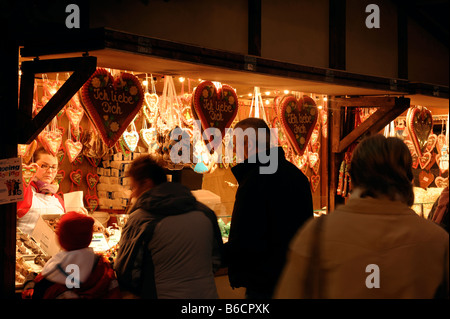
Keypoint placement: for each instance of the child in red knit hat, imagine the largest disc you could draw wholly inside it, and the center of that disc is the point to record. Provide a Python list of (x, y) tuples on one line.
[(76, 272)]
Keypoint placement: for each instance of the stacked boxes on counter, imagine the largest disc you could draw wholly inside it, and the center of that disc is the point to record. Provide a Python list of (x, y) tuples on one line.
[(113, 189)]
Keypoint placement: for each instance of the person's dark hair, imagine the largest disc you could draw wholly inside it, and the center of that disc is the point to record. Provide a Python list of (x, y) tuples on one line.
[(383, 165), (145, 167), (255, 123), (39, 152)]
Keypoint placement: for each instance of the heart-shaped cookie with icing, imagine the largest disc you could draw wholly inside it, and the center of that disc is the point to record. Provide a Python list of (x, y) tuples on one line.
[(419, 122), (91, 202), (92, 180), (74, 114), (60, 175), (298, 119), (73, 149), (441, 182), (28, 172), (150, 138), (315, 181), (112, 103), (131, 140), (75, 177), (425, 179), (431, 143), (51, 141), (440, 142), (26, 151), (94, 161), (215, 105), (425, 159)]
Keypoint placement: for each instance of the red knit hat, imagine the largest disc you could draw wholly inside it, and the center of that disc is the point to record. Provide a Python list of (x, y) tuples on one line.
[(74, 231)]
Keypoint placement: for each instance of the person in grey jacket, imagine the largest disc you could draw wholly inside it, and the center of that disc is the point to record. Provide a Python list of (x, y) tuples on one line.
[(171, 244)]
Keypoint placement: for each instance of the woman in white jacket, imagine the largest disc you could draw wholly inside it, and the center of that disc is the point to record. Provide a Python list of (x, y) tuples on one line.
[(375, 246)]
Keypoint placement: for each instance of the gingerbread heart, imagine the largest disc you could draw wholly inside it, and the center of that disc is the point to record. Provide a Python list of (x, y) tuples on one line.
[(51, 141), (112, 103), (94, 161), (415, 161), (26, 151), (315, 147), (315, 134), (28, 172), (92, 180), (74, 114), (76, 132), (61, 154), (316, 166), (313, 159), (91, 202), (303, 162), (215, 106), (441, 182), (424, 160), (150, 138), (130, 140), (440, 142), (431, 143), (60, 176), (150, 108), (419, 122), (73, 149), (315, 181), (443, 160), (75, 177), (298, 119), (425, 179)]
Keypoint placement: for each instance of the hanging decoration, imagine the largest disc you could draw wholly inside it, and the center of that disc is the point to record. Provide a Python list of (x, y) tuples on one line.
[(131, 138), (112, 103), (298, 119), (28, 172), (75, 177), (26, 151), (419, 123), (215, 105)]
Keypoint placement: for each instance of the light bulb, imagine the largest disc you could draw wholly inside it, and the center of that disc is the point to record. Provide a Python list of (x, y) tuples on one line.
[(267, 102), (267, 92), (286, 91), (250, 94), (181, 79), (325, 99), (145, 82)]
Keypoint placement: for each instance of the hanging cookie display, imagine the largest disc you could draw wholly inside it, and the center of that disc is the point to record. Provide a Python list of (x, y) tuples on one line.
[(131, 138), (75, 177), (298, 119), (112, 103), (419, 122), (215, 105), (28, 172)]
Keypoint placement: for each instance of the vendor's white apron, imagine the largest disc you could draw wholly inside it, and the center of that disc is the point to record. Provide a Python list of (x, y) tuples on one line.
[(41, 204)]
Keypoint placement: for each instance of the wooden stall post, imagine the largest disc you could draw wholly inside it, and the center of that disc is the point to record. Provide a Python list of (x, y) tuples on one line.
[(342, 135)]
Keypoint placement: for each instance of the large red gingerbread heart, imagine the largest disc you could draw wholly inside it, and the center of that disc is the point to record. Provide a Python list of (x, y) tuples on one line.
[(215, 106), (112, 103), (298, 119), (419, 122)]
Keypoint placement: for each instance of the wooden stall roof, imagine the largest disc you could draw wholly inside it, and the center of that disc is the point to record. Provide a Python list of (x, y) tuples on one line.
[(119, 50)]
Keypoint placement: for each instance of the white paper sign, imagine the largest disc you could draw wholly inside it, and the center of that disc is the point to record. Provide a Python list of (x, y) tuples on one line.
[(11, 184), (73, 201)]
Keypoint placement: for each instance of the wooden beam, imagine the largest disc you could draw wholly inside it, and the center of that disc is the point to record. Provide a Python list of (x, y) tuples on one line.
[(337, 36), (254, 27), (382, 117), (82, 69)]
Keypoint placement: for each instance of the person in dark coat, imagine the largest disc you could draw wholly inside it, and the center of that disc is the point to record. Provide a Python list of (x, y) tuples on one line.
[(268, 210), (171, 244)]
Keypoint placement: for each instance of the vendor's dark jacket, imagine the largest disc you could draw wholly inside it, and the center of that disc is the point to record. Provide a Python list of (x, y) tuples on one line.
[(268, 211), (168, 246)]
